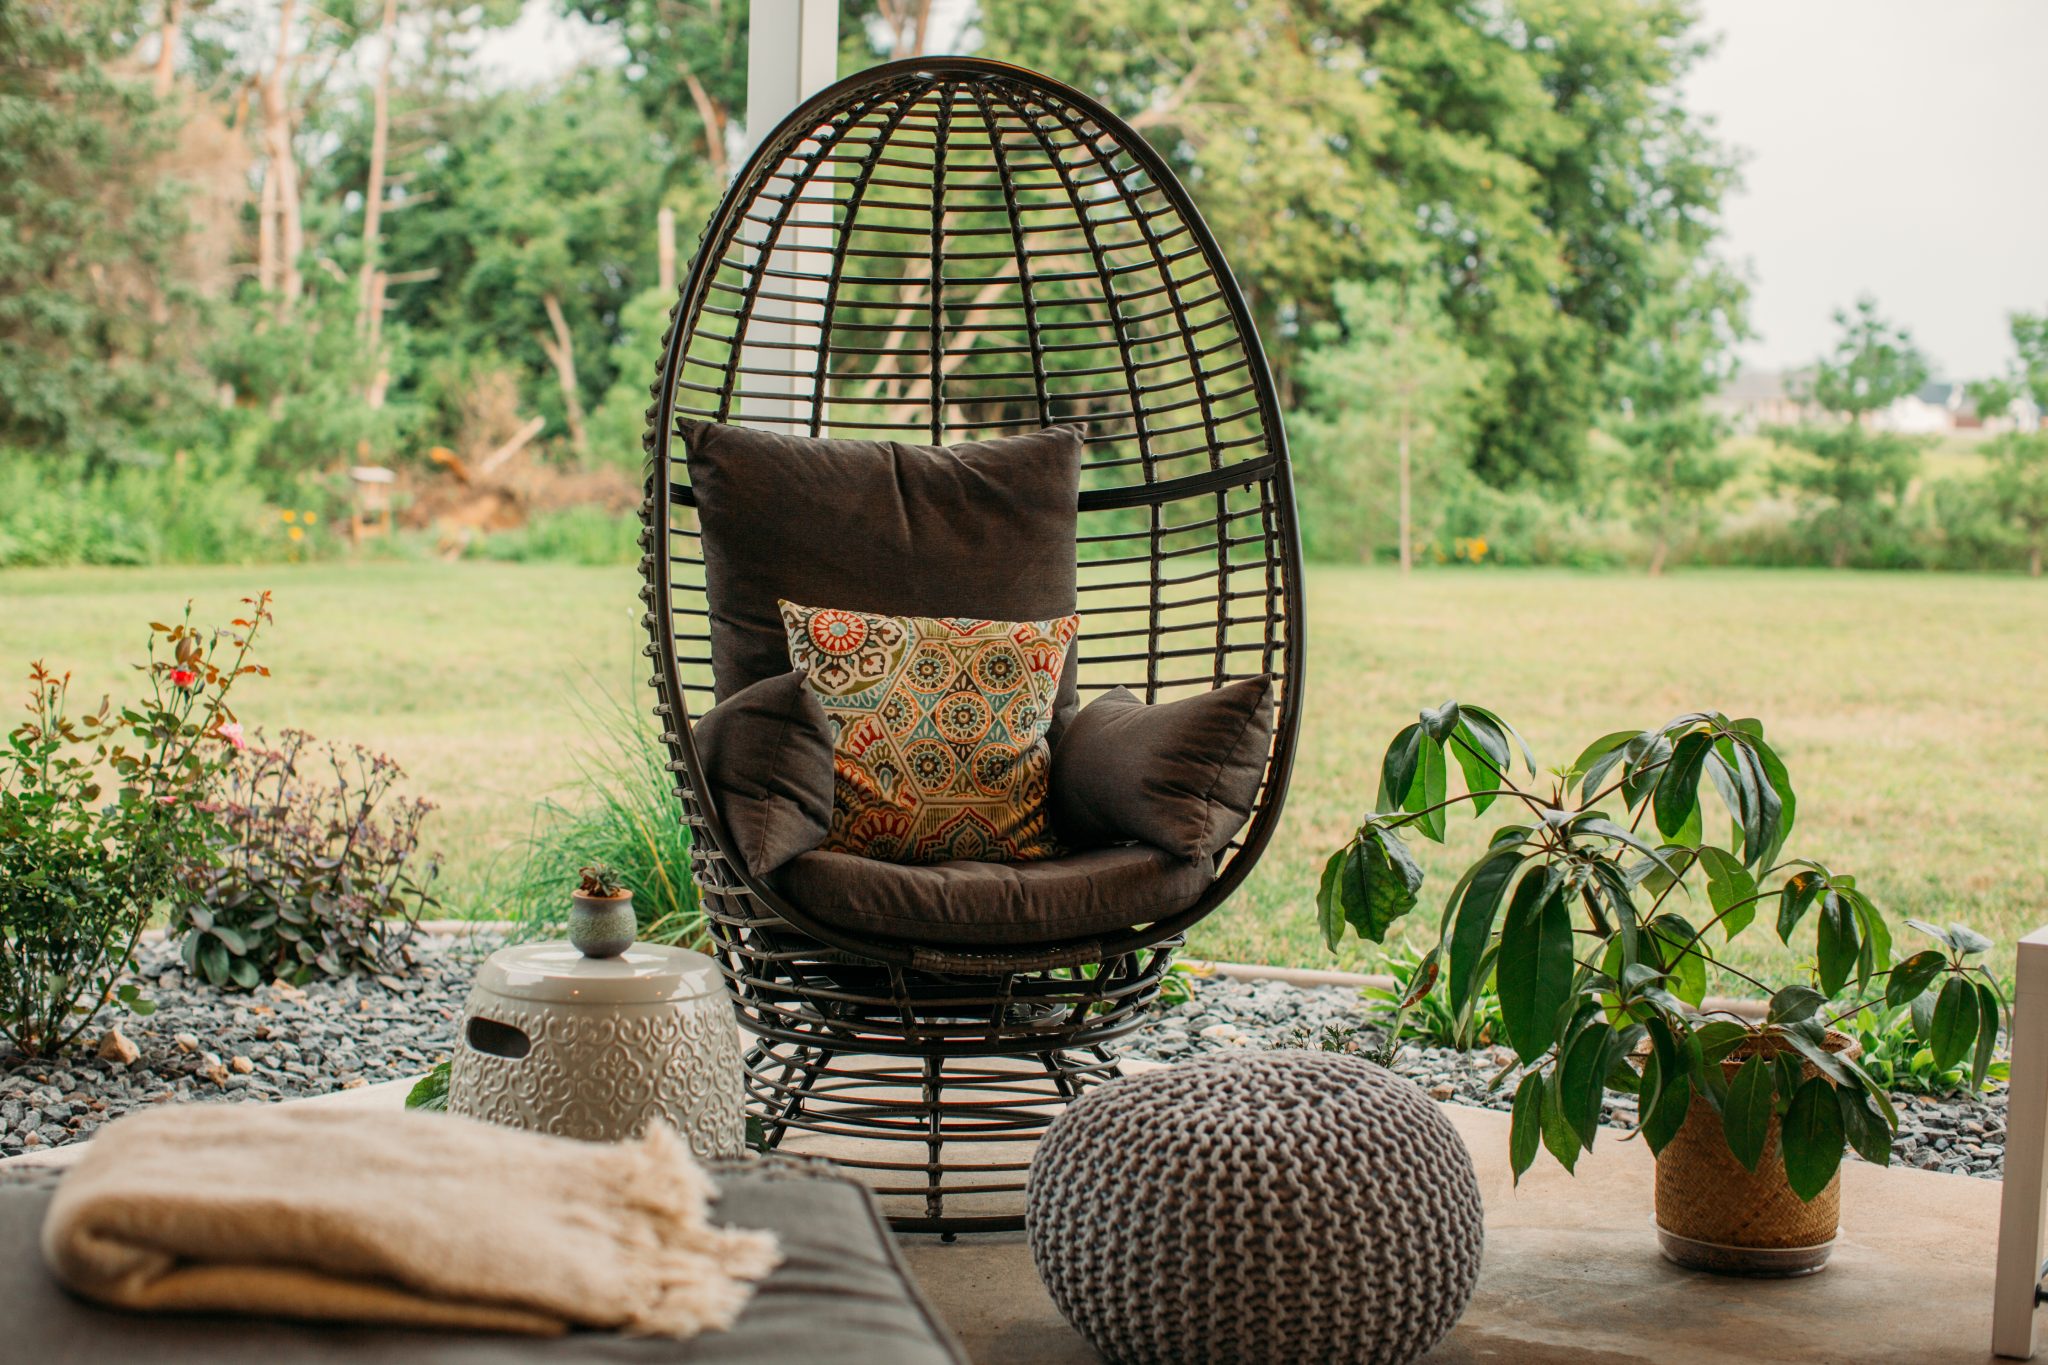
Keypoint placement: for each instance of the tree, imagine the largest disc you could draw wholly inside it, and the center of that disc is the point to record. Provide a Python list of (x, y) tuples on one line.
[(1859, 473), (1535, 153), (539, 229), (1679, 352), (2017, 484), (89, 231), (1385, 384)]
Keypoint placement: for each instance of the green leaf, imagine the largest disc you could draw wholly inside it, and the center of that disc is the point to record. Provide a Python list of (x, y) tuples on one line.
[(1378, 883), (1664, 1112), (1687, 969), (1582, 766), (244, 973), (234, 941), (1558, 1134), (1677, 798), (1839, 944), (1473, 924), (1534, 971), (1493, 718), (1987, 1036), (1813, 1138), (1795, 1003), (1731, 890), (1482, 754), (1780, 805), (1581, 1077), (1525, 1128), (1429, 790), (1811, 1039), (1801, 888), (1912, 977), (1746, 1113), (1867, 1132), (1440, 724), (1329, 908), (1645, 756), (213, 961), (1397, 769), (430, 1092), (1955, 1023)]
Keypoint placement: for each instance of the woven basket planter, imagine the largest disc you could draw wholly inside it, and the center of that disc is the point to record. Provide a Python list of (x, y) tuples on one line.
[(1712, 1214)]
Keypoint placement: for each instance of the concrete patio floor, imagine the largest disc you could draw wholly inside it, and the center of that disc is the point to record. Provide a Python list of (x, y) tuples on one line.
[(1572, 1274)]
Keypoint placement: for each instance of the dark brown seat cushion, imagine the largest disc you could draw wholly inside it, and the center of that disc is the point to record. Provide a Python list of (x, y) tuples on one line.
[(767, 752), (1180, 775), (967, 904), (841, 1294), (984, 529)]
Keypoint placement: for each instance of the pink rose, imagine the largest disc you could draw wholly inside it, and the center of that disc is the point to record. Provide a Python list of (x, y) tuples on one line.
[(232, 733)]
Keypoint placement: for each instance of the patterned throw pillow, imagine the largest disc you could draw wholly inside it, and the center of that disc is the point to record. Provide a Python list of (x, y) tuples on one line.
[(940, 730)]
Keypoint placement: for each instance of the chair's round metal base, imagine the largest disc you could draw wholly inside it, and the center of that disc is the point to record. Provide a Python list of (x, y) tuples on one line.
[(922, 1131)]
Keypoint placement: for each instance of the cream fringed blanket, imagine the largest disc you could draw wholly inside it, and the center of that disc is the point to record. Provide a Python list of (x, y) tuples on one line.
[(404, 1218)]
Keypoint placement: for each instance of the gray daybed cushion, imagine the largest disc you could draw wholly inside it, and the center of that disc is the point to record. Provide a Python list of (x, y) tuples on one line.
[(767, 753), (984, 529), (972, 904), (841, 1295)]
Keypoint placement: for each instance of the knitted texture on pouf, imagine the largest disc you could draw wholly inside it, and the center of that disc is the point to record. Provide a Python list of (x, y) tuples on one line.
[(1257, 1206)]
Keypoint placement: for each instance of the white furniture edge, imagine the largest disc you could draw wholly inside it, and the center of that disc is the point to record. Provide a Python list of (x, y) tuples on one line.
[(2014, 1329)]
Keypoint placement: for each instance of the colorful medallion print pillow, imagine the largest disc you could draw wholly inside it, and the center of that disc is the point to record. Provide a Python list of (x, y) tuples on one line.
[(939, 723)]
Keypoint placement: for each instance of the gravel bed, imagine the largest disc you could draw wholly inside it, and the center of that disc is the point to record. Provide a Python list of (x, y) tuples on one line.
[(1961, 1135), (273, 1043), (278, 1043)]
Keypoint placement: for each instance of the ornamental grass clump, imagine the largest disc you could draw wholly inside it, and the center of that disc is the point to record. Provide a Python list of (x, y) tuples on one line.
[(102, 815), (1597, 913)]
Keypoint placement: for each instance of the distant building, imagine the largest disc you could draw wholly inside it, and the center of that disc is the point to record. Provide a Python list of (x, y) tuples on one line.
[(1755, 400), (1934, 408)]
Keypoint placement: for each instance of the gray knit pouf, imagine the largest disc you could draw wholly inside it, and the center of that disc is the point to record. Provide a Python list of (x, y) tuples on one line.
[(1257, 1206)]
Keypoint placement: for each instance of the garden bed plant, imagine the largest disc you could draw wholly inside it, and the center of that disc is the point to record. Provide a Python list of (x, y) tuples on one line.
[(1596, 913), (103, 814)]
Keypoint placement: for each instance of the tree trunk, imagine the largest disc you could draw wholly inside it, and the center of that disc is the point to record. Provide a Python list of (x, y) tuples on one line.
[(289, 240), (1658, 554), (561, 350), (373, 187), (1407, 536), (2034, 560), (665, 250), (167, 50), (714, 118)]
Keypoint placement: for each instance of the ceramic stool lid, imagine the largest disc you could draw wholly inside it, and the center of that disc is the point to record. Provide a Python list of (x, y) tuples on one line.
[(556, 973)]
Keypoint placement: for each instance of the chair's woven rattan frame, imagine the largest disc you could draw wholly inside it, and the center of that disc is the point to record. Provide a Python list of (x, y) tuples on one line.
[(939, 250)]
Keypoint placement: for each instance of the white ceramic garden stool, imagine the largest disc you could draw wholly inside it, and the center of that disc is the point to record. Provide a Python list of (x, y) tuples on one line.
[(596, 1048)]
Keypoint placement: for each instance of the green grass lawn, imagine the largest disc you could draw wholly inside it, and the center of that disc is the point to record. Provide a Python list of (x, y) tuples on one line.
[(1908, 707)]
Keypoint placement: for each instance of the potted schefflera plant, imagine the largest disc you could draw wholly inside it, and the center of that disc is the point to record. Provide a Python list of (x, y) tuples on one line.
[(601, 922), (1598, 911)]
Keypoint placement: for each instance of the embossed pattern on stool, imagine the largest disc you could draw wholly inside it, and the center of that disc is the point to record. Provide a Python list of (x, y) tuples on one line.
[(680, 1063), (1265, 1206)]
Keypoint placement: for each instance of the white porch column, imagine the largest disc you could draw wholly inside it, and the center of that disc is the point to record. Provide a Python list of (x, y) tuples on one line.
[(2020, 1229), (792, 53)]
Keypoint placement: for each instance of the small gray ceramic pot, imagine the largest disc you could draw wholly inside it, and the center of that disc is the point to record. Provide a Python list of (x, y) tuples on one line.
[(601, 926)]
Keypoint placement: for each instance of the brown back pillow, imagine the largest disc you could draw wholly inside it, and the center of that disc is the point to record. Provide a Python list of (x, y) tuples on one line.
[(1181, 775), (984, 530)]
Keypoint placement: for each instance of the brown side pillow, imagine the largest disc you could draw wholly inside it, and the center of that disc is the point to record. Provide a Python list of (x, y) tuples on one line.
[(767, 753), (1181, 775)]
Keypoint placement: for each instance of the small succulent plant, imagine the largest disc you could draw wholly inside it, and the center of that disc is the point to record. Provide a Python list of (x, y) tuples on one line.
[(599, 880)]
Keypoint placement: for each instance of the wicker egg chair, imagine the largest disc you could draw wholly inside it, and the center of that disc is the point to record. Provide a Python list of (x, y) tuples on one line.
[(935, 251)]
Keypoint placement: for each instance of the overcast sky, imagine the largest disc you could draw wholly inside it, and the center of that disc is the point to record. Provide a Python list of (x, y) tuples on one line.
[(1895, 147)]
